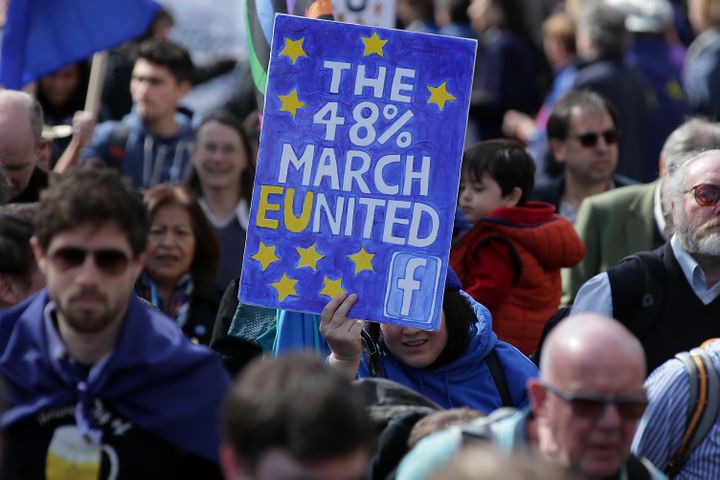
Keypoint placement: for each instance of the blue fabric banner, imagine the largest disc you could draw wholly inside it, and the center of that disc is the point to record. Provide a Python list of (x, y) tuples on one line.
[(358, 170), (41, 36)]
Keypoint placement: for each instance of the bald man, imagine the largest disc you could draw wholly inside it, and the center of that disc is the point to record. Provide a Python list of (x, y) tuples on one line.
[(22, 145), (585, 407)]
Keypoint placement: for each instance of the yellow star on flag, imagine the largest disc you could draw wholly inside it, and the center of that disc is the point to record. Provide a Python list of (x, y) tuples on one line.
[(293, 49), (362, 260), (309, 257), (265, 255), (285, 287), (332, 288), (439, 95), (374, 45), (290, 103)]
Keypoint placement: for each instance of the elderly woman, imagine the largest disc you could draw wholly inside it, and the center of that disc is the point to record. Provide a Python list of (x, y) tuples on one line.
[(182, 256), (221, 176)]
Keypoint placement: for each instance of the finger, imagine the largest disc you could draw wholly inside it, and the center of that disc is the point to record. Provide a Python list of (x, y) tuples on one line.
[(330, 309), (346, 305)]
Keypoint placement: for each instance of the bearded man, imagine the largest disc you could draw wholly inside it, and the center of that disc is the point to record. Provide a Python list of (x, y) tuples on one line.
[(669, 297)]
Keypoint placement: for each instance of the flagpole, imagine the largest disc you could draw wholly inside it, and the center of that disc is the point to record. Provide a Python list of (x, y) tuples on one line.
[(95, 84)]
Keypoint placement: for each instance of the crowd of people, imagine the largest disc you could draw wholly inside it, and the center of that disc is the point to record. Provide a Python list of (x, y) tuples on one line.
[(585, 261)]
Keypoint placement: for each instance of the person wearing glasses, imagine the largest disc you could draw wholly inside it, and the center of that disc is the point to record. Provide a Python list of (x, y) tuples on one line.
[(630, 219), (583, 135), (585, 408), (100, 383), (669, 297)]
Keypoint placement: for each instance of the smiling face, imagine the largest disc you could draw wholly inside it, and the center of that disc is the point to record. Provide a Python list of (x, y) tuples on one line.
[(171, 244), (219, 156), (414, 347)]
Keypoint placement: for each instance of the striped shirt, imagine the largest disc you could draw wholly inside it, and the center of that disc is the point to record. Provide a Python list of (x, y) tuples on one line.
[(663, 424)]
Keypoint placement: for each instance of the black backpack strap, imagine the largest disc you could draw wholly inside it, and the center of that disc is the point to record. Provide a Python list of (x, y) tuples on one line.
[(702, 406), (117, 145), (498, 376), (637, 284), (636, 469)]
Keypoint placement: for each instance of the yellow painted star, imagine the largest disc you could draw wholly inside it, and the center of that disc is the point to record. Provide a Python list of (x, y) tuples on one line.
[(290, 103), (285, 287), (332, 288), (362, 260), (374, 45), (293, 49), (265, 255), (439, 95), (309, 257)]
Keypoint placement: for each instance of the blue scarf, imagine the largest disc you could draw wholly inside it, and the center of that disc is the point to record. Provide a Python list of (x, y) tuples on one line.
[(155, 377)]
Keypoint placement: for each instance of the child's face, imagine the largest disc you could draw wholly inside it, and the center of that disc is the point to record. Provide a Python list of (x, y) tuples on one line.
[(478, 197)]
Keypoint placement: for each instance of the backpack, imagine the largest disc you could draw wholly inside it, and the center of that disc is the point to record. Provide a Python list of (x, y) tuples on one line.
[(117, 146), (703, 402)]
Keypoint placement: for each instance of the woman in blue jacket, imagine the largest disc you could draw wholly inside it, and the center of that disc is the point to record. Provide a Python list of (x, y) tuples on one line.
[(449, 366)]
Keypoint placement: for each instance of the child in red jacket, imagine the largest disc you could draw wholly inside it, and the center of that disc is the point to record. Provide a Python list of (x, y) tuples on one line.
[(510, 259)]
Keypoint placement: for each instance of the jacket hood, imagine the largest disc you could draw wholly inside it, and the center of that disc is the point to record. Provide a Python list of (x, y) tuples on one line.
[(183, 117), (549, 237)]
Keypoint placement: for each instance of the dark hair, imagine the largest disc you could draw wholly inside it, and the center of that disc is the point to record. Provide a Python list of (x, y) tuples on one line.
[(206, 254), (459, 317), (506, 161), (514, 17), (17, 256), (297, 404), (169, 55), (456, 8), (247, 177), (93, 194), (560, 27), (75, 102), (558, 124)]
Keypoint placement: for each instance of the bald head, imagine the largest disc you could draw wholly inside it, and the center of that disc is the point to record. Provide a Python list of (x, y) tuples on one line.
[(21, 122), (590, 341)]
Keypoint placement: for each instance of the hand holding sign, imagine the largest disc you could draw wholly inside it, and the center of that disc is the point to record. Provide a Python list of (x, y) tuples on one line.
[(356, 185)]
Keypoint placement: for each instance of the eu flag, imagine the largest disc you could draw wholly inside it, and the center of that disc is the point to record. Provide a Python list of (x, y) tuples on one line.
[(41, 36)]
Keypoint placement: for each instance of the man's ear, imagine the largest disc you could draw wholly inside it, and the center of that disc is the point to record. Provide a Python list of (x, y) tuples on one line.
[(9, 294), (233, 467), (184, 87), (537, 394), (40, 256), (557, 147)]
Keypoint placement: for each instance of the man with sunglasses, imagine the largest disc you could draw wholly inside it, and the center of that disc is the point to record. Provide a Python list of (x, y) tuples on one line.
[(583, 135), (585, 407), (669, 298), (99, 382)]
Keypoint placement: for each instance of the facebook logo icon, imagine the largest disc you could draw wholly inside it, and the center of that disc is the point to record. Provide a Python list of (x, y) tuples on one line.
[(411, 288)]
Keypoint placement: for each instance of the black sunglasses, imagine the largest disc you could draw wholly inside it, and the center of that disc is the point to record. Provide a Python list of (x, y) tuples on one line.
[(109, 260), (706, 194), (590, 139), (593, 406)]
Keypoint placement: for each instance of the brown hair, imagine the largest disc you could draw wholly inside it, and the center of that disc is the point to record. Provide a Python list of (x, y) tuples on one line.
[(206, 255), (561, 28)]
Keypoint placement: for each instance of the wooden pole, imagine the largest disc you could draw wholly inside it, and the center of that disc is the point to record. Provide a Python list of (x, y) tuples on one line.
[(95, 84)]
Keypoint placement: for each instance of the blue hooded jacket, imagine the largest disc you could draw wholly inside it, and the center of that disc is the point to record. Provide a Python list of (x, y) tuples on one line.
[(147, 159), (466, 381)]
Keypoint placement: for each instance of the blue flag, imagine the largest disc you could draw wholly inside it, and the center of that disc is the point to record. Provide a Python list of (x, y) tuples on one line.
[(41, 36), (358, 170)]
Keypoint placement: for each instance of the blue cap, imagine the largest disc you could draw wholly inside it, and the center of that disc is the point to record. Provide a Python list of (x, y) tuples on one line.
[(452, 281)]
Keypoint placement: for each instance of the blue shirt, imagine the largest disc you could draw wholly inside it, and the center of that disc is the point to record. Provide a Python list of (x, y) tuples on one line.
[(663, 424), (596, 297)]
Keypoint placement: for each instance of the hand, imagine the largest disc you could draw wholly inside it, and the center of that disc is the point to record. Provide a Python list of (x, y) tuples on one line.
[(342, 333), (83, 127), (518, 125)]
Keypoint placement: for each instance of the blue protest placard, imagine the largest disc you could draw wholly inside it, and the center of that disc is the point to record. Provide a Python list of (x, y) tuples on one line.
[(358, 170)]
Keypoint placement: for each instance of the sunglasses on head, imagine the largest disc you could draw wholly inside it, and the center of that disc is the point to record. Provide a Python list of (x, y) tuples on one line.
[(706, 194), (593, 406), (590, 139), (109, 260)]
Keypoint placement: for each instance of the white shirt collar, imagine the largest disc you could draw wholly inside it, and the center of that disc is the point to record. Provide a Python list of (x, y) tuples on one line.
[(241, 213)]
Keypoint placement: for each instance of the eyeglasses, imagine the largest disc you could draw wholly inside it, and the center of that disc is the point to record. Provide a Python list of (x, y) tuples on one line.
[(109, 260), (706, 194), (590, 139), (593, 406)]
